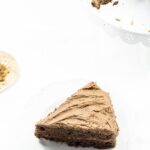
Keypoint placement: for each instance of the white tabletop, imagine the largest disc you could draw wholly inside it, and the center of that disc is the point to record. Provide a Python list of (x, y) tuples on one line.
[(58, 40)]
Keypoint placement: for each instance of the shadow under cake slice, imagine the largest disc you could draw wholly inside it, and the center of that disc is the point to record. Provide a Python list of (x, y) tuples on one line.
[(84, 119)]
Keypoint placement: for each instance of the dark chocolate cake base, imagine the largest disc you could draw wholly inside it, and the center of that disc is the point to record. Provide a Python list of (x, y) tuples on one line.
[(84, 143)]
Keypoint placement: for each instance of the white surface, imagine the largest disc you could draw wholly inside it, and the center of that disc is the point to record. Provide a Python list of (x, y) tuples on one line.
[(57, 41), (133, 15)]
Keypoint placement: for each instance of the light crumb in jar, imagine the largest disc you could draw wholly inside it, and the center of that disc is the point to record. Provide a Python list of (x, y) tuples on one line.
[(3, 72), (115, 3)]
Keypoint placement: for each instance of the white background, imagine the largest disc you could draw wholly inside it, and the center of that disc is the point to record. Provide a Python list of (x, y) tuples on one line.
[(54, 41)]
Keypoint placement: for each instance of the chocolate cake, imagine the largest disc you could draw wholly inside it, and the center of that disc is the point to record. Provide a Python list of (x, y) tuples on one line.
[(98, 3), (85, 119)]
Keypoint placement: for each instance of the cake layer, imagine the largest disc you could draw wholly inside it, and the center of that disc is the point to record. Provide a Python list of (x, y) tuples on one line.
[(74, 133)]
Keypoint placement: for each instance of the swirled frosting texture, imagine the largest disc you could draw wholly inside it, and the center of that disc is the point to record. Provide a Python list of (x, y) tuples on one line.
[(88, 108)]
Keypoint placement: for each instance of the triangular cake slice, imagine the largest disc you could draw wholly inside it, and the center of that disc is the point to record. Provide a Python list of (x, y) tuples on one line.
[(85, 119)]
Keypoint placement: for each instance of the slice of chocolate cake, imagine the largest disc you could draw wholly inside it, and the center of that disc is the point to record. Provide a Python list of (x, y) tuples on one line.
[(85, 119), (98, 3)]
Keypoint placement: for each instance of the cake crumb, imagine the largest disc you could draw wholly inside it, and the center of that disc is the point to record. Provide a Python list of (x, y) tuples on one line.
[(117, 19), (115, 3), (96, 4)]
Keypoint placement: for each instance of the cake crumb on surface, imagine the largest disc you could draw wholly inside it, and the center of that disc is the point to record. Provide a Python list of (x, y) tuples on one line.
[(132, 22), (117, 19)]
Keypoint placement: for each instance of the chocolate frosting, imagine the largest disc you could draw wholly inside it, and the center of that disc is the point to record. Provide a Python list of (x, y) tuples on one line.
[(88, 108)]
